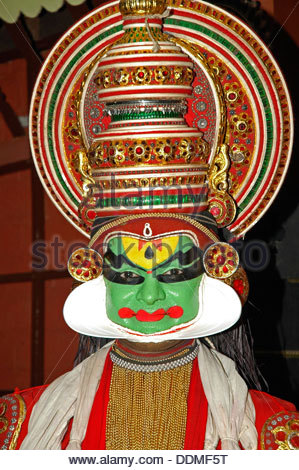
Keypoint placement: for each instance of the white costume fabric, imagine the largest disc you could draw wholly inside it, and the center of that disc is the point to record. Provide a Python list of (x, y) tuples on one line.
[(231, 413)]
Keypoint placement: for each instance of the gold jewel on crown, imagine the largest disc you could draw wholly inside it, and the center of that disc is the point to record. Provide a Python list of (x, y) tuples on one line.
[(148, 159), (142, 7)]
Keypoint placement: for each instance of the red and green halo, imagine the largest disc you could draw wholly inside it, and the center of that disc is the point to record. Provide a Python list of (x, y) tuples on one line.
[(259, 116)]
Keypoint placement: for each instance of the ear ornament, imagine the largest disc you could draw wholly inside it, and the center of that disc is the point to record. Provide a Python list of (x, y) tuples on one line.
[(85, 264), (220, 260)]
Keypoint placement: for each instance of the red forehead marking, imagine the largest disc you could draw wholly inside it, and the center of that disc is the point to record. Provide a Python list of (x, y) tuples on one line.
[(149, 272), (157, 243)]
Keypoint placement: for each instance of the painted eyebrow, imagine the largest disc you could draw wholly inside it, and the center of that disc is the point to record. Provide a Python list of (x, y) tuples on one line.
[(185, 258), (116, 261), (189, 256)]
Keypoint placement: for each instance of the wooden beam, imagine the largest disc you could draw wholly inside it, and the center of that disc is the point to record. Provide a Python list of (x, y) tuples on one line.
[(268, 6), (37, 332), (10, 117), (38, 285), (33, 276), (23, 41), (25, 44), (15, 166), (40, 46)]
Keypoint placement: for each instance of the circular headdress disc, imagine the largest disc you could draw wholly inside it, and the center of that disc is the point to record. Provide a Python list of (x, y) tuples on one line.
[(258, 111)]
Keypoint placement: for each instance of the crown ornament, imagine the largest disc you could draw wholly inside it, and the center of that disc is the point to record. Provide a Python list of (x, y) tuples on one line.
[(144, 81), (149, 106), (142, 7)]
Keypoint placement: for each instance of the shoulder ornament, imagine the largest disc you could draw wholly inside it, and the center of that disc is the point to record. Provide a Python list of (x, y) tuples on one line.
[(12, 415), (281, 432)]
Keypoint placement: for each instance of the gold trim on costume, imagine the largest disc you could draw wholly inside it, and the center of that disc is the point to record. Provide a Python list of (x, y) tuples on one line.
[(281, 431), (22, 415)]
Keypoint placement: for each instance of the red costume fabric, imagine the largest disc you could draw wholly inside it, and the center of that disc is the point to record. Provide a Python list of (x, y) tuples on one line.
[(266, 407)]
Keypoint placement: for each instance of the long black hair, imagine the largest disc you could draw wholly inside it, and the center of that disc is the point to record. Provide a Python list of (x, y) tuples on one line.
[(235, 343)]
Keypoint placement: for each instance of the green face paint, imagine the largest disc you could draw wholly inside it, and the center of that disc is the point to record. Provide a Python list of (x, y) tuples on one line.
[(152, 286)]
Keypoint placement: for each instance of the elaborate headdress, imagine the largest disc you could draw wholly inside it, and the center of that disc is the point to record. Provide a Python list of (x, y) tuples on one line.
[(151, 119)]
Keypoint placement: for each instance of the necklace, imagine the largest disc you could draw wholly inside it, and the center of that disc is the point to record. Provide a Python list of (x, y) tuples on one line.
[(147, 406), (176, 357)]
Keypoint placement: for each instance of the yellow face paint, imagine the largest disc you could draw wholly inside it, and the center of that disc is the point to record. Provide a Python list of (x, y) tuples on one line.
[(148, 254)]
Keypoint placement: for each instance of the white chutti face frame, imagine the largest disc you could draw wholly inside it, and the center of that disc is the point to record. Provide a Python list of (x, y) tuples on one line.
[(85, 312)]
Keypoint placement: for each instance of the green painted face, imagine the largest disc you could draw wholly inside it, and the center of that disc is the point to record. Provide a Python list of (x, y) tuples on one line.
[(152, 286)]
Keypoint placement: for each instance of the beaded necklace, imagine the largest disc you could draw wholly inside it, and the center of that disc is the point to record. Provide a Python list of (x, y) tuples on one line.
[(147, 406)]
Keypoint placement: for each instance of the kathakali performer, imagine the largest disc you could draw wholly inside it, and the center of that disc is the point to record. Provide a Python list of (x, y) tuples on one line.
[(162, 131)]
